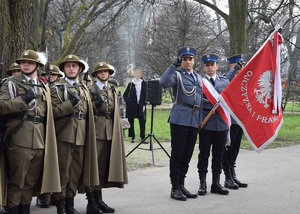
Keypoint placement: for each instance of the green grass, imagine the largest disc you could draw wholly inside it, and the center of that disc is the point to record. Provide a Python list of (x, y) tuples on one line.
[(288, 135), (161, 128), (292, 107)]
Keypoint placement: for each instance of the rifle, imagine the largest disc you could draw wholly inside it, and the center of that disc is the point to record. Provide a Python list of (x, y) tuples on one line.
[(212, 111)]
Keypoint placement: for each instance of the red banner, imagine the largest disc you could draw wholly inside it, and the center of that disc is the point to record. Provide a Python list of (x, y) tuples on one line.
[(253, 97)]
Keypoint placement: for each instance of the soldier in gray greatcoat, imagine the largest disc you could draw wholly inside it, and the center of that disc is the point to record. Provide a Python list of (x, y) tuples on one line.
[(185, 118), (214, 132)]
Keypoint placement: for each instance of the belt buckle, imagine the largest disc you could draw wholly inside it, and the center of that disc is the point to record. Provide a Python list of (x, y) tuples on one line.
[(36, 119), (80, 116), (196, 107)]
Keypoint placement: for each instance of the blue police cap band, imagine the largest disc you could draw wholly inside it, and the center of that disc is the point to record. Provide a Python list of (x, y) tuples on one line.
[(209, 58), (186, 52), (235, 58)]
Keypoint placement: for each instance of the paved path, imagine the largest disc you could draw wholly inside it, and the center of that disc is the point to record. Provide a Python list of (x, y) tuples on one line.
[(274, 187)]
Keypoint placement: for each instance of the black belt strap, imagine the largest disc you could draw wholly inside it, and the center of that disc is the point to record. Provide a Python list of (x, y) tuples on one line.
[(36, 119), (107, 115), (194, 107), (208, 110), (79, 116)]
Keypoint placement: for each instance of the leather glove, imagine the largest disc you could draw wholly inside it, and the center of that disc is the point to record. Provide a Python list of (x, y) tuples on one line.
[(238, 65), (177, 62), (74, 98), (28, 96), (98, 101)]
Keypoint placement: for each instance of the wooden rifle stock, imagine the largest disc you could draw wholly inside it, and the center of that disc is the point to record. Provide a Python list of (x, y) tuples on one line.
[(212, 111)]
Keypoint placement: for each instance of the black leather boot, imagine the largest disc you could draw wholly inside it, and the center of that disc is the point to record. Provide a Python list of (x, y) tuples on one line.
[(24, 209), (202, 188), (243, 185), (60, 206), (216, 186), (185, 191), (100, 203), (69, 206), (13, 210), (229, 182), (92, 207), (4, 210), (176, 192), (41, 201)]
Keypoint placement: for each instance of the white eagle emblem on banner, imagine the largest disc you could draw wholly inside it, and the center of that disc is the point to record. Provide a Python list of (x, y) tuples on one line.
[(265, 90)]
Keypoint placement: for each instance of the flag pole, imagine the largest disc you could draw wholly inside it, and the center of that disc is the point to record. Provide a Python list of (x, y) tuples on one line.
[(212, 111)]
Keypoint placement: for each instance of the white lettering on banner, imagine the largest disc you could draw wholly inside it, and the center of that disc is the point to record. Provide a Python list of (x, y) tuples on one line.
[(244, 91), (263, 119)]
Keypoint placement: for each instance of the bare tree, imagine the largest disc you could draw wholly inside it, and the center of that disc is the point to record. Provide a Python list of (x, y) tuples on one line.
[(174, 25)]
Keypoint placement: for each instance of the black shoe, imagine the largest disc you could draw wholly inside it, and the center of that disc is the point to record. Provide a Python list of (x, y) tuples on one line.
[(187, 193), (41, 202), (202, 189), (217, 188), (177, 195), (69, 206), (243, 185), (230, 184), (132, 140), (4, 210), (104, 207), (239, 183)]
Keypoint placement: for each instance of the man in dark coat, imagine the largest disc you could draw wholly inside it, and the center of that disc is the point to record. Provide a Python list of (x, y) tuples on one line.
[(135, 99)]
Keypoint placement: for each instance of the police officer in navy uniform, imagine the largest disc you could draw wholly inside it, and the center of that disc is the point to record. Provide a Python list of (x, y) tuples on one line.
[(185, 117), (231, 152), (214, 132)]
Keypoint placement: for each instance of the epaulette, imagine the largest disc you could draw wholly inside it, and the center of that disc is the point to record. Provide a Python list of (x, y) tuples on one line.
[(3, 81), (59, 85), (222, 77)]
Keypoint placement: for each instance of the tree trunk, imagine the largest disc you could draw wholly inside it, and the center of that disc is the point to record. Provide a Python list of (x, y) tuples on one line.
[(15, 23), (237, 26)]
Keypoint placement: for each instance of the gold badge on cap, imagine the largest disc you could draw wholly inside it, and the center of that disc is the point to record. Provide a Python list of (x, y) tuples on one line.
[(26, 53), (101, 63), (51, 67), (70, 56)]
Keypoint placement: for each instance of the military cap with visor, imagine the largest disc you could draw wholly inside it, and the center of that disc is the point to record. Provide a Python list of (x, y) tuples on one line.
[(186, 52), (53, 69), (30, 55), (102, 66), (210, 58), (236, 58), (14, 67), (71, 58)]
